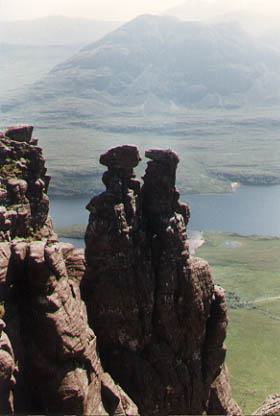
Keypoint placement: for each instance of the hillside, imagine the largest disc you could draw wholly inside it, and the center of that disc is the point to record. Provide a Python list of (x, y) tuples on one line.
[(162, 81), (162, 63), (247, 267)]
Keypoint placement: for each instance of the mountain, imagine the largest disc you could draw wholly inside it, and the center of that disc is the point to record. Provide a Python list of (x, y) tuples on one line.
[(154, 63), (54, 30)]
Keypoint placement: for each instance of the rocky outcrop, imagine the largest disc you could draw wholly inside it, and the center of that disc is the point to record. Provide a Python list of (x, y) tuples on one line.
[(20, 133), (159, 319), (24, 204), (59, 368), (138, 299), (48, 357)]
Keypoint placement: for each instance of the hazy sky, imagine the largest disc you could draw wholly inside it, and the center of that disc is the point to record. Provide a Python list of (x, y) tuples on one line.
[(99, 9), (109, 9)]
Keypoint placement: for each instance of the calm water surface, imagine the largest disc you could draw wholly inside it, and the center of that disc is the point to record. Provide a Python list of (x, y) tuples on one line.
[(249, 210), (66, 212)]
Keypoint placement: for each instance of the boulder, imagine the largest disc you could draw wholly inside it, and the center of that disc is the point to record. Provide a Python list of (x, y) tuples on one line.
[(20, 133), (121, 157)]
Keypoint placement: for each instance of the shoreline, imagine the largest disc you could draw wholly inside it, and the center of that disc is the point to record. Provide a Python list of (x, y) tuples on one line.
[(195, 240), (235, 186)]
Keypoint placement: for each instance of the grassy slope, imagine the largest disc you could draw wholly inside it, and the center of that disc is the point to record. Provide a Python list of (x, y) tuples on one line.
[(213, 144), (204, 140), (251, 271), (73, 231), (252, 357)]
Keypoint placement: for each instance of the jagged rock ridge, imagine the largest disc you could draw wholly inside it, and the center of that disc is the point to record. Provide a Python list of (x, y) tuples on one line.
[(23, 186), (48, 356), (159, 319)]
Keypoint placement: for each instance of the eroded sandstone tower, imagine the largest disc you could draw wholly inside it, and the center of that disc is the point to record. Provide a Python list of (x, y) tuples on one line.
[(159, 319), (153, 311)]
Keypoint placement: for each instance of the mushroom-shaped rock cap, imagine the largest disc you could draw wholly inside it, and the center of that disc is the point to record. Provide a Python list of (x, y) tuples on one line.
[(125, 157), (165, 156), (20, 133)]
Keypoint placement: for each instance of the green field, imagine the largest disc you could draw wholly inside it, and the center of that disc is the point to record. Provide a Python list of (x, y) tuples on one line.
[(73, 231), (253, 357), (250, 273), (215, 148)]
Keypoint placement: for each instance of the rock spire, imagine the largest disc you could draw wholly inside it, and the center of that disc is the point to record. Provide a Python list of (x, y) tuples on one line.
[(136, 326), (159, 319)]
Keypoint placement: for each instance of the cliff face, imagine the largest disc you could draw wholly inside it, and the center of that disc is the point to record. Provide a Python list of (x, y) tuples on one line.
[(159, 319), (48, 357), (154, 311), (23, 186)]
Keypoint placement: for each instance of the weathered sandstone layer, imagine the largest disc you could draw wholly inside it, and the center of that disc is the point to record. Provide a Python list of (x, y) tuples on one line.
[(24, 204), (48, 357), (159, 319)]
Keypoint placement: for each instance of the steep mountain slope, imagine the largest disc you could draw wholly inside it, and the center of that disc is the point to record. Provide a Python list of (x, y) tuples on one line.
[(162, 61)]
